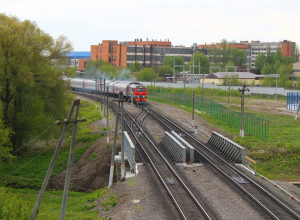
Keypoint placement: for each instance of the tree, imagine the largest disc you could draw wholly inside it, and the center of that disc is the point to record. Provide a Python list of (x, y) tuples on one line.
[(214, 53), (169, 61), (296, 54), (268, 69), (33, 92), (230, 67), (135, 67), (162, 70), (71, 72), (225, 51), (204, 62), (260, 61), (147, 74), (238, 57), (93, 67), (234, 80)]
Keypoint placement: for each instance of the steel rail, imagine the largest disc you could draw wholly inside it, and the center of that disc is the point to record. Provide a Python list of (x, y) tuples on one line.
[(174, 172), (292, 212)]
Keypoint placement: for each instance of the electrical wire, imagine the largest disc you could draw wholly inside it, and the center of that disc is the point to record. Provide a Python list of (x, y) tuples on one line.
[(28, 142), (34, 157)]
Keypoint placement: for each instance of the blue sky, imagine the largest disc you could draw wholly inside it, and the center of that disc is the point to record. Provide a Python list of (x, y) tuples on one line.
[(186, 22)]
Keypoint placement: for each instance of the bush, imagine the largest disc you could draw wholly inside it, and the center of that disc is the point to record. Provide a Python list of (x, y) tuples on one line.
[(12, 207)]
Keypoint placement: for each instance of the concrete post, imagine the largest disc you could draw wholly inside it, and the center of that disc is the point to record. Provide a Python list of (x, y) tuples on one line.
[(69, 168)]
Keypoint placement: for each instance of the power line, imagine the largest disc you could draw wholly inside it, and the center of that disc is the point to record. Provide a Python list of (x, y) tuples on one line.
[(28, 142), (33, 158)]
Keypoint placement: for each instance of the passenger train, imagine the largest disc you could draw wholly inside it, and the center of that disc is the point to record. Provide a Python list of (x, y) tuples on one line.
[(132, 91)]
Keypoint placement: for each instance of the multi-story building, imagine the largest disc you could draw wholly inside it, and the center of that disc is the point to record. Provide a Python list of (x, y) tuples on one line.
[(147, 53), (254, 47)]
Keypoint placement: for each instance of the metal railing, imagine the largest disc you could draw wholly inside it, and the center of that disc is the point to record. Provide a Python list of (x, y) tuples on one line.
[(129, 149), (253, 125)]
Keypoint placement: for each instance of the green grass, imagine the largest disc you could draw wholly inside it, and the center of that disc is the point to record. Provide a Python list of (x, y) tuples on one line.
[(93, 155), (279, 158), (23, 200), (23, 177)]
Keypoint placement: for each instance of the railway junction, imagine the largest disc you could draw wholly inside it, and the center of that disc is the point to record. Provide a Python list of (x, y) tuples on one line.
[(210, 188)]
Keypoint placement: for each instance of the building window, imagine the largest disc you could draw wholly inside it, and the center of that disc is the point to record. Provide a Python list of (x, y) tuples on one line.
[(100, 57), (96, 57), (115, 49), (100, 49)]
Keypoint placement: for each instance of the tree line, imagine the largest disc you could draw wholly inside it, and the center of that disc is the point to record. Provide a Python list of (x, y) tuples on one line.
[(33, 92)]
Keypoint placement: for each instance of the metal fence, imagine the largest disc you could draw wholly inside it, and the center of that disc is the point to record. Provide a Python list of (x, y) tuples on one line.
[(253, 125), (292, 101)]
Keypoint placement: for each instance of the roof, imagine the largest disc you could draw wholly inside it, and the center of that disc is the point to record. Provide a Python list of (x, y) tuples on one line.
[(79, 55), (242, 75)]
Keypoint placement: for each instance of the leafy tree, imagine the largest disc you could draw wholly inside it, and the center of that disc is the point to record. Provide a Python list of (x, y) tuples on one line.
[(238, 57), (135, 67), (5, 143), (169, 61), (225, 51), (204, 62), (260, 61), (296, 54), (284, 79), (93, 67), (268, 81), (234, 80), (162, 70), (230, 67), (268, 69), (71, 72), (147, 74), (214, 53), (33, 93)]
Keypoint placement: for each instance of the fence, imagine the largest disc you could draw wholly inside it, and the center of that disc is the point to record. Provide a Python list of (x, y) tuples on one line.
[(256, 126), (292, 100)]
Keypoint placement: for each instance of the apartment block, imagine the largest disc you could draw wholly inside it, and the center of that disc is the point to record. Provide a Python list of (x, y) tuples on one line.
[(147, 53), (254, 47)]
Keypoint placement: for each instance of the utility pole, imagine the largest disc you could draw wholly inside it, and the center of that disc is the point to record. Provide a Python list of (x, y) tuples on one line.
[(104, 97), (76, 103), (193, 110), (107, 118), (101, 97), (96, 91), (242, 109), (122, 140), (174, 71), (228, 92), (112, 162)]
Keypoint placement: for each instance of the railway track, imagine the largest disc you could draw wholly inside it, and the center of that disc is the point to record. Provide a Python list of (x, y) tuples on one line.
[(264, 199), (186, 203)]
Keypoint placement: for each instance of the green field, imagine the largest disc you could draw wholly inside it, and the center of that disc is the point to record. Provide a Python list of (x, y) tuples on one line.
[(22, 178)]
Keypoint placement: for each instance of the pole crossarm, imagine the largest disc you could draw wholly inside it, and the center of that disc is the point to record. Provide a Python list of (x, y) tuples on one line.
[(69, 122)]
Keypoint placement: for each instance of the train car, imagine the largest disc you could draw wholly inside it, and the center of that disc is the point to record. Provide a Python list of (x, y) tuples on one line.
[(132, 91), (76, 84), (137, 92)]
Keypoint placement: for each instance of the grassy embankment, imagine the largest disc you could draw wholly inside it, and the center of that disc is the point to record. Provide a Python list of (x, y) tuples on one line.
[(24, 176), (279, 158)]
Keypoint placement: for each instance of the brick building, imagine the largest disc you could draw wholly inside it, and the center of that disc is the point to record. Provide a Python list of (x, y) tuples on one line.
[(147, 53), (254, 47), (152, 52)]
